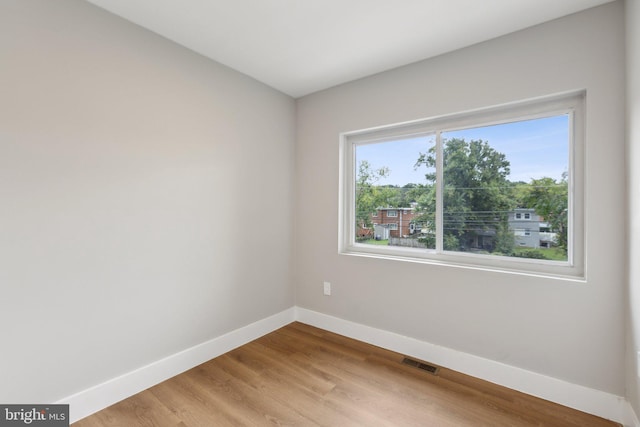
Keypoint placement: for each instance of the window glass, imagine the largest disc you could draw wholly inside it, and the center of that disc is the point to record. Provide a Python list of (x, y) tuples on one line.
[(388, 176), (488, 172)]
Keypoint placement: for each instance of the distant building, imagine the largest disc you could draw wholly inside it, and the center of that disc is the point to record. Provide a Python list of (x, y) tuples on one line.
[(529, 229), (389, 222)]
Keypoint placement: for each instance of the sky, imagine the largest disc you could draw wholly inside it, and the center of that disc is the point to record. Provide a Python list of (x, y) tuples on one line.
[(535, 148)]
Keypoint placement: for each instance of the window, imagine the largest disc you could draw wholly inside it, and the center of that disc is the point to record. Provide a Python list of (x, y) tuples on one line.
[(461, 180), (393, 226)]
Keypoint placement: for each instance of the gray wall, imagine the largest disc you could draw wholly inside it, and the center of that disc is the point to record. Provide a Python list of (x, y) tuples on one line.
[(632, 14), (568, 330), (133, 173)]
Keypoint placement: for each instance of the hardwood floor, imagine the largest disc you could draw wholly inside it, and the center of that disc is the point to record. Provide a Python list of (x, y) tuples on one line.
[(304, 376)]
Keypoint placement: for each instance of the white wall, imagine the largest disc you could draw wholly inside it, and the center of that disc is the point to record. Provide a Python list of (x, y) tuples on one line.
[(632, 15), (134, 179), (567, 330)]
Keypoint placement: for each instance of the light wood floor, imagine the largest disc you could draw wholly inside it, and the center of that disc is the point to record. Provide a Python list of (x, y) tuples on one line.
[(304, 376)]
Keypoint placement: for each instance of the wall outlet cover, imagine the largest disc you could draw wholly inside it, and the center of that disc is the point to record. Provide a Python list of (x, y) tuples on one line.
[(327, 288)]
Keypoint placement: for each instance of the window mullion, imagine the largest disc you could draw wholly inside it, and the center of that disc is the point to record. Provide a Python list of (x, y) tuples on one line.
[(439, 189), (571, 190)]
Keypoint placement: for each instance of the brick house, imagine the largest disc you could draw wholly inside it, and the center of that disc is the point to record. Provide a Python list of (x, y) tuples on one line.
[(389, 222)]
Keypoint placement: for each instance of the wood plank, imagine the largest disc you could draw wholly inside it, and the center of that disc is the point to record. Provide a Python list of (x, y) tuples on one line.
[(300, 375), (142, 409)]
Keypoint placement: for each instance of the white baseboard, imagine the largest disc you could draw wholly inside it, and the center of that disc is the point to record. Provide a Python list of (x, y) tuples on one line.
[(575, 396), (582, 398), (103, 395), (631, 418)]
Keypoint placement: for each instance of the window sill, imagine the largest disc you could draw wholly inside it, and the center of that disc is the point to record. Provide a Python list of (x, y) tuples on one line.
[(557, 270)]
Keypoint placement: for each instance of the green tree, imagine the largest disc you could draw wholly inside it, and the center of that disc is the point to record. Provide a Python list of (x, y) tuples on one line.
[(390, 196), (368, 195), (520, 191), (550, 200), (477, 196)]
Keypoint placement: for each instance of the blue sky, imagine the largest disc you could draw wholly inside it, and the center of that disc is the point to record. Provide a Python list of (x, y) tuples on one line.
[(535, 148)]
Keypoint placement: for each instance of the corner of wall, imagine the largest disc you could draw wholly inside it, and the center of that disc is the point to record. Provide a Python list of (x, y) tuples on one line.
[(632, 365)]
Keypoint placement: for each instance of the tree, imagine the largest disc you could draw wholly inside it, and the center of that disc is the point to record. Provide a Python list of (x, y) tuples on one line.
[(550, 200), (369, 196), (476, 196), (390, 196)]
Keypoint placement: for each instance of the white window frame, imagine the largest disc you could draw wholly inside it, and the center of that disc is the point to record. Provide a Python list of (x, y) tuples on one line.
[(389, 214), (572, 104)]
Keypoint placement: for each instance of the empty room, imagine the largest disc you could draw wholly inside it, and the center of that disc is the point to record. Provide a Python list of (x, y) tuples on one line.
[(320, 213)]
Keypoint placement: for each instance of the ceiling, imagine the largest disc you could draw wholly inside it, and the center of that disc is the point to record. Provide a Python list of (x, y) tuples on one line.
[(303, 46)]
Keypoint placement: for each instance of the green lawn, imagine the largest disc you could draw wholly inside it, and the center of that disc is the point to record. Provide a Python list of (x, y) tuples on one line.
[(376, 242), (555, 254)]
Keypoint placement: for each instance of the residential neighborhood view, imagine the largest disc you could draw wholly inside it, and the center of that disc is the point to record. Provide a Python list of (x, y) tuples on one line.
[(504, 191)]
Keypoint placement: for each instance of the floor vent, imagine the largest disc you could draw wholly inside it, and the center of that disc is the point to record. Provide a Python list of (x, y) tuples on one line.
[(421, 365)]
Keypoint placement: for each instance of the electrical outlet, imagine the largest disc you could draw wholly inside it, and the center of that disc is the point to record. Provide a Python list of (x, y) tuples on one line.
[(327, 288)]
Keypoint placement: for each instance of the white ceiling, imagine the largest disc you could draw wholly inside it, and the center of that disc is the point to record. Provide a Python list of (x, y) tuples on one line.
[(302, 46)]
